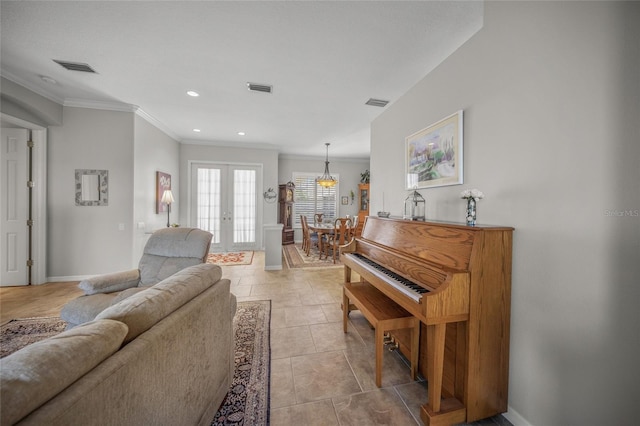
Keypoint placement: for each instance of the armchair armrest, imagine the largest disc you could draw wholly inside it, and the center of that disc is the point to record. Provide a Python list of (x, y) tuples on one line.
[(108, 283)]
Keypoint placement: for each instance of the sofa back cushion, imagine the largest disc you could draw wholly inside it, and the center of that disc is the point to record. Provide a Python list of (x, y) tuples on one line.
[(154, 269), (38, 372), (143, 310), (169, 250)]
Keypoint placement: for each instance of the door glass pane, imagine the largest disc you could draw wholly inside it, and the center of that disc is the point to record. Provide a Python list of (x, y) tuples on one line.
[(244, 206), (208, 202)]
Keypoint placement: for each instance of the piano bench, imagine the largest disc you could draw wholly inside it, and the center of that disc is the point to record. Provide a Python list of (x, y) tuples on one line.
[(384, 315)]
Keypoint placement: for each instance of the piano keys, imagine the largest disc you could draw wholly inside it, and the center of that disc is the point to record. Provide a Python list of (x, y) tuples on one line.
[(408, 287), (456, 280)]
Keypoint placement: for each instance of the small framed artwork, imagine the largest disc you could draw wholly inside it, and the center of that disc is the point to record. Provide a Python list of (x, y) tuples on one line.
[(434, 154), (344, 200), (163, 182)]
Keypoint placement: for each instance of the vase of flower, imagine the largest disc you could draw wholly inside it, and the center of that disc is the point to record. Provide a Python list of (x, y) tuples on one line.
[(471, 211), (472, 196)]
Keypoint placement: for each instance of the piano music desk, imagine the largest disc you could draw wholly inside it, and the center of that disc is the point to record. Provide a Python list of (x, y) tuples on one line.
[(384, 315)]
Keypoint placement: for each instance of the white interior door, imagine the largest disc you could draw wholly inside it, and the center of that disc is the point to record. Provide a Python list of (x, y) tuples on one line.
[(14, 214), (224, 202)]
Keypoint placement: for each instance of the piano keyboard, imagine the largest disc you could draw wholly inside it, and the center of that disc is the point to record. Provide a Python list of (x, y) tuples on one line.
[(407, 287)]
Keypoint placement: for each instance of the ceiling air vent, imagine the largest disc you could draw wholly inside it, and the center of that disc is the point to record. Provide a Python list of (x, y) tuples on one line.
[(377, 102), (265, 88), (75, 66)]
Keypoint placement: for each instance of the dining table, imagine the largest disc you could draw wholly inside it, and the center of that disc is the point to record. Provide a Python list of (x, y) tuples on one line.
[(322, 229)]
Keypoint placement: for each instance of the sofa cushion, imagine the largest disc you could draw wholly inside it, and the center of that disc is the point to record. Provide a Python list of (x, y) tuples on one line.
[(38, 372), (109, 283), (85, 308), (170, 250), (124, 294), (189, 242), (144, 309), (154, 269)]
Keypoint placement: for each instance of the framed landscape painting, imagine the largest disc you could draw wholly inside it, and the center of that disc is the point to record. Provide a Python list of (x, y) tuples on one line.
[(434, 154)]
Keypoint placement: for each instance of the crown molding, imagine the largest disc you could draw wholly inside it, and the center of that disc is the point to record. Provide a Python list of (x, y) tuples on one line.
[(122, 107), (91, 104), (315, 158), (35, 89), (103, 105), (158, 124), (231, 144)]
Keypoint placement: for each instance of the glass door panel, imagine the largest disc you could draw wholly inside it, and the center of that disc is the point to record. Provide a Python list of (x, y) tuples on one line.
[(224, 202)]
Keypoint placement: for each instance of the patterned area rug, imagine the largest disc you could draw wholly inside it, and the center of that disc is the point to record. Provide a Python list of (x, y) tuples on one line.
[(18, 333), (231, 258), (247, 402), (297, 258)]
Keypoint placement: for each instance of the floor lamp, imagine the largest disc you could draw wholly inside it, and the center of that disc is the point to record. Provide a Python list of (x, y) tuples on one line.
[(167, 198)]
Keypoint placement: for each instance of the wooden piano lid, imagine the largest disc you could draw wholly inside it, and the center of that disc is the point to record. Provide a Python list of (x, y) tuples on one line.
[(445, 223)]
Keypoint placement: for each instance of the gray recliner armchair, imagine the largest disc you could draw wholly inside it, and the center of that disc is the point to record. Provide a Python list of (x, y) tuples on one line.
[(167, 251)]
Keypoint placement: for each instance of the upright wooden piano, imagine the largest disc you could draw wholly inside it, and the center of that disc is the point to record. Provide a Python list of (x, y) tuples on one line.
[(456, 280)]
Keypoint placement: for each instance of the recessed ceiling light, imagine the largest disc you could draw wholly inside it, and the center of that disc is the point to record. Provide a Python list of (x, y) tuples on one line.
[(241, 133), (192, 93), (196, 130)]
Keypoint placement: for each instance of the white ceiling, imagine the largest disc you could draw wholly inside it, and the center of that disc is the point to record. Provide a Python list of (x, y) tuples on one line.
[(325, 59)]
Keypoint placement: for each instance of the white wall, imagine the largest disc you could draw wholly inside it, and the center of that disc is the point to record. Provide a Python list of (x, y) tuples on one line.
[(348, 169), (551, 94), (153, 152), (268, 158), (86, 240)]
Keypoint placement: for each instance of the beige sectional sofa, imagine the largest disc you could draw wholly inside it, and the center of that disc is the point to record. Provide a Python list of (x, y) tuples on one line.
[(163, 356)]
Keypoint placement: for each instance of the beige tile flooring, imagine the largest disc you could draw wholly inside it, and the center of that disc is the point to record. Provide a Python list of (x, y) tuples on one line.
[(319, 374)]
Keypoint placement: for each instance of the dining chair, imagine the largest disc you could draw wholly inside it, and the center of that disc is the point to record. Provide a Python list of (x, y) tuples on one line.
[(342, 234), (308, 238), (317, 218)]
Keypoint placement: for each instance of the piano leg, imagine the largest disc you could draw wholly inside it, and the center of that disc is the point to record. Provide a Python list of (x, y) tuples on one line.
[(379, 342), (436, 411), (415, 348), (435, 348), (345, 311)]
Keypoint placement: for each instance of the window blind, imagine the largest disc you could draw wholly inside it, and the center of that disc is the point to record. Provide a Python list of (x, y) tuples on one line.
[(311, 198)]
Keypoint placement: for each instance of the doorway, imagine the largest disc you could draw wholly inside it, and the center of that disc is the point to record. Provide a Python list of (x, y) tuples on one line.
[(224, 201), (17, 246)]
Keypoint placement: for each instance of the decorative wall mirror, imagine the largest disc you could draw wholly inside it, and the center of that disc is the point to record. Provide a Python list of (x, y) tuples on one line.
[(92, 187)]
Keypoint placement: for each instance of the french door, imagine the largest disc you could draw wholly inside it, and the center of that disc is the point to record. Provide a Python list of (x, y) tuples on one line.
[(224, 201)]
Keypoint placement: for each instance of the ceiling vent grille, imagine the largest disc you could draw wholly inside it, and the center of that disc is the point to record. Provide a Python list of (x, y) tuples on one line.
[(376, 102), (264, 88), (75, 66)]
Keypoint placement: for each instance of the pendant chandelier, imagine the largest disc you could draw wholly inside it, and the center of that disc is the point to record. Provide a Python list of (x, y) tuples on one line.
[(326, 180)]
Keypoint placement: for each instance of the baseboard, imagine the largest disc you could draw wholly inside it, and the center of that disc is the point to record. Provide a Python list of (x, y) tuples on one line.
[(273, 268), (68, 278), (515, 418)]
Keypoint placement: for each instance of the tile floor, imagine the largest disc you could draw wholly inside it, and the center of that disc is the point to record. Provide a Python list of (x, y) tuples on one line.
[(319, 375)]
